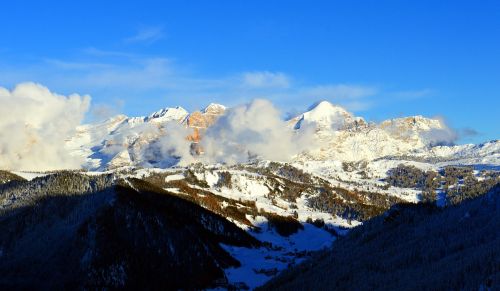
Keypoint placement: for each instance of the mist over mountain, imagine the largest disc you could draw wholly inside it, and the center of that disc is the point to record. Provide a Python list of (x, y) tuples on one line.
[(217, 134)]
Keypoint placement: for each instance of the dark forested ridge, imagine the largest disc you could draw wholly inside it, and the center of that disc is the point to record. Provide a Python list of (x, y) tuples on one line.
[(411, 247), (457, 183), (6, 177), (125, 234)]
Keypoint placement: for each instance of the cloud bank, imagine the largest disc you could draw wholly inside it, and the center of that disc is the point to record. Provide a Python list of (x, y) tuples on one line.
[(444, 136), (34, 125), (253, 130), (172, 148)]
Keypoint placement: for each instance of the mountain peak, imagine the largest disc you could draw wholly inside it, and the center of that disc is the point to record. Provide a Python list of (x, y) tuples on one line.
[(325, 116), (324, 107), (214, 108), (321, 103), (167, 114)]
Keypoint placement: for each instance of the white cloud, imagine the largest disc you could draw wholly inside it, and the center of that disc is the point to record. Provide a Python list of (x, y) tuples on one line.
[(34, 125), (253, 129), (172, 148), (440, 136), (102, 111), (147, 35), (265, 80)]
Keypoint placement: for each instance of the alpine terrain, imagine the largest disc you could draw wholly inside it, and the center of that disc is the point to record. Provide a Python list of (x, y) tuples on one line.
[(228, 198)]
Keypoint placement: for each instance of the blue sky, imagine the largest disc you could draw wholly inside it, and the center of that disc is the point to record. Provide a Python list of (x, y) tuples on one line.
[(380, 59)]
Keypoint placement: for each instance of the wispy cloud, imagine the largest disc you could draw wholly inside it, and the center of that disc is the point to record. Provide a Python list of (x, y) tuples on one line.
[(130, 73), (450, 134), (135, 78), (92, 51), (71, 65), (468, 132), (101, 111), (265, 80), (147, 35), (144, 74)]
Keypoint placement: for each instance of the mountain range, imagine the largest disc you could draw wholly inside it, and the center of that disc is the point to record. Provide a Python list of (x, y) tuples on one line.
[(338, 135)]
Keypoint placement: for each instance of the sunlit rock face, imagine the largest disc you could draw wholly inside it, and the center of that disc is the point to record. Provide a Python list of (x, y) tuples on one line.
[(201, 120)]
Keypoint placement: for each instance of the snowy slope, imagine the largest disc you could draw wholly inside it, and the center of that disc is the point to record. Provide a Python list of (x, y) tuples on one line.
[(279, 252), (349, 138), (121, 140), (268, 190), (487, 154), (325, 117), (168, 114)]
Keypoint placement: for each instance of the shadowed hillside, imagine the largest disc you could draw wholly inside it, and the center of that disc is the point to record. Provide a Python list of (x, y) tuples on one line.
[(127, 235), (6, 177), (412, 247)]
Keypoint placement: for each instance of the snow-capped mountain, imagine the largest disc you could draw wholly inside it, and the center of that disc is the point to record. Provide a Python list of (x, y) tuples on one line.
[(326, 117), (168, 114), (349, 138), (122, 141)]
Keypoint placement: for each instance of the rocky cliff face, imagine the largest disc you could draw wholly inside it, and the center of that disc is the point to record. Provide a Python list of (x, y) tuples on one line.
[(199, 121)]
